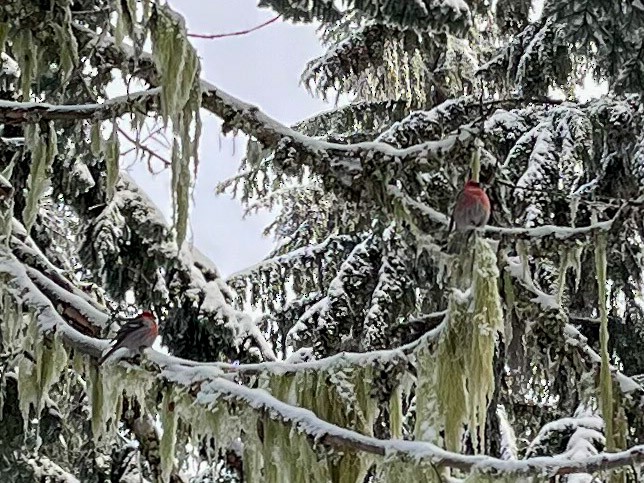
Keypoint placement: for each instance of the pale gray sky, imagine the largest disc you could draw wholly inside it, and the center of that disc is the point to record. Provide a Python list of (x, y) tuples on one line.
[(262, 68)]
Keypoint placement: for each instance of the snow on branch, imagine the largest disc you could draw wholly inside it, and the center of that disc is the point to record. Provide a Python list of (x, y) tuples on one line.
[(32, 280), (342, 439), (239, 115), (46, 470), (49, 320), (200, 280), (574, 338), (213, 388), (556, 231), (293, 257), (32, 112)]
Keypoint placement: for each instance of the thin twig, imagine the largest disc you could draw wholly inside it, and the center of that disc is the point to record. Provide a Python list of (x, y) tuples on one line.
[(234, 34), (144, 148)]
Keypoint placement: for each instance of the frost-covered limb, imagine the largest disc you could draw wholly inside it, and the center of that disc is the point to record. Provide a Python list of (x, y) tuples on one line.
[(202, 302), (13, 143), (46, 470), (72, 300), (49, 320), (342, 439), (574, 338), (71, 305), (31, 112), (577, 339), (305, 150), (590, 422), (558, 232), (27, 251), (38, 297), (585, 437), (215, 388), (31, 280), (291, 258)]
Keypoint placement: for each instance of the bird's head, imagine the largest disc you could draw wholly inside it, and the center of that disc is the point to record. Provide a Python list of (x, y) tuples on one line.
[(149, 316)]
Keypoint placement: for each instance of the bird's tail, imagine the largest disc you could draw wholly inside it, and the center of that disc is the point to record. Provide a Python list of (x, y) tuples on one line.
[(104, 357)]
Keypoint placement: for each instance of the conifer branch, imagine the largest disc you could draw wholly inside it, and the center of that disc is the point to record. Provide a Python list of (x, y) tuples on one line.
[(213, 388), (558, 232), (31, 112)]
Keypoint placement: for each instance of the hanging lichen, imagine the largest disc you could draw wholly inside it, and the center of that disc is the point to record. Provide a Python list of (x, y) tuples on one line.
[(462, 376), (106, 388), (395, 468), (339, 396), (181, 190), (428, 416), (178, 66), (396, 413), (11, 321), (169, 438), (6, 203), (95, 393), (38, 371), (4, 34), (561, 275), (26, 52), (43, 151), (253, 445), (487, 323), (68, 46), (605, 379), (112, 156), (51, 362), (96, 139), (451, 367), (216, 424), (28, 373), (288, 456)]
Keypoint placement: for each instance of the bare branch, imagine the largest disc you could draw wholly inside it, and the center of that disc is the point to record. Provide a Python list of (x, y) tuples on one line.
[(234, 34)]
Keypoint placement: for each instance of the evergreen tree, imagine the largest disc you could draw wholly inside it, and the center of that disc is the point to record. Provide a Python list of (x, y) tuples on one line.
[(388, 348)]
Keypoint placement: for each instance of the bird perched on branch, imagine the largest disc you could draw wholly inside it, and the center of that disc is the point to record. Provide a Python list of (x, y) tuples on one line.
[(472, 209), (136, 334)]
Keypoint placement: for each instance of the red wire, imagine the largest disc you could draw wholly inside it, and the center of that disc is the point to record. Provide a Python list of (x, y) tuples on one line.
[(232, 34)]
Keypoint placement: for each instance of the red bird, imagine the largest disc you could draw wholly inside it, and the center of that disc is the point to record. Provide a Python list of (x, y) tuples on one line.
[(137, 334), (472, 209)]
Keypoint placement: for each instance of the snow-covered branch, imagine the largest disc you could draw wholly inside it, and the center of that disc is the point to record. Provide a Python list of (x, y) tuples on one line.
[(306, 150), (215, 388), (18, 112), (308, 252), (558, 232), (46, 470), (202, 284), (342, 439), (574, 338)]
